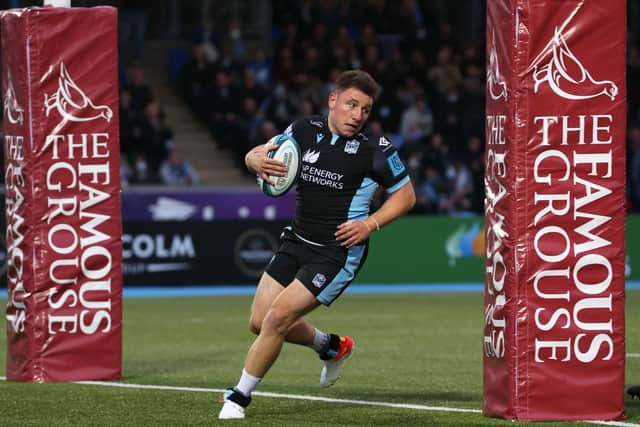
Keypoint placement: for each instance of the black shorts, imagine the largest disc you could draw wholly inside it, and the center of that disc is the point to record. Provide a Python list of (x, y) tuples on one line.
[(325, 270)]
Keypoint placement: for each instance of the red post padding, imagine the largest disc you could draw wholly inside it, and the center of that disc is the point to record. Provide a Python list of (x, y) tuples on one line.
[(60, 93), (555, 174)]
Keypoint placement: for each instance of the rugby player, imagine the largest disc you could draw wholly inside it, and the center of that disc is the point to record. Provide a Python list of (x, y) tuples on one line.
[(326, 245)]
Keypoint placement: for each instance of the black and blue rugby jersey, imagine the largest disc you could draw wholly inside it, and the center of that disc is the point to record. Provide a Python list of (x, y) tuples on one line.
[(339, 177)]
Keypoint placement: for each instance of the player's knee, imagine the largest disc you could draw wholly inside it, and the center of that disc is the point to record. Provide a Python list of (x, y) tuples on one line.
[(255, 324), (277, 320)]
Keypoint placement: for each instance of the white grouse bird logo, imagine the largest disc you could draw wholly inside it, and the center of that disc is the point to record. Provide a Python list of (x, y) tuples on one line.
[(567, 77), (496, 86), (15, 113), (72, 103)]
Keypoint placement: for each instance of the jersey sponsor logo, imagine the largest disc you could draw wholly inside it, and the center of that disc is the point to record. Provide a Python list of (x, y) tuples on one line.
[(316, 123), (319, 137), (565, 74), (351, 147), (318, 280), (323, 177), (310, 156), (395, 164)]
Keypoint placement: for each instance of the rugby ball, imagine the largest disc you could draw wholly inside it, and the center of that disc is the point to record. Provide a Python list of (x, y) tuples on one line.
[(288, 152)]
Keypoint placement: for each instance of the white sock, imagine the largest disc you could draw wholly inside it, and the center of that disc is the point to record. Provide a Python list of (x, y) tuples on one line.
[(247, 383), (320, 341)]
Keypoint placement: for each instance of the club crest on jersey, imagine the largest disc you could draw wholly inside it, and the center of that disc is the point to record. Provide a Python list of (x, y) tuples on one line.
[(318, 280), (351, 147)]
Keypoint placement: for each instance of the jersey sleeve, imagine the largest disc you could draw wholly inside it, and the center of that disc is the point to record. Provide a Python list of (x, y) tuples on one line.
[(388, 170)]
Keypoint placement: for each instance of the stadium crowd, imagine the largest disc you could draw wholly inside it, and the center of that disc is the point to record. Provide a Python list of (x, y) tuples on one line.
[(432, 101), (432, 76), (148, 154)]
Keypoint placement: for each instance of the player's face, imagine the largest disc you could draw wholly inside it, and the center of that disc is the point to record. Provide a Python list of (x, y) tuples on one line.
[(348, 111)]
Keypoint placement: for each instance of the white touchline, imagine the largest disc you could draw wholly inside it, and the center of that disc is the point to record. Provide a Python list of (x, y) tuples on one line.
[(313, 398), (283, 396), (633, 355)]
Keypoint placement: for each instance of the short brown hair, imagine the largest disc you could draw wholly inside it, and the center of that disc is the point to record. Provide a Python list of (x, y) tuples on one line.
[(360, 80)]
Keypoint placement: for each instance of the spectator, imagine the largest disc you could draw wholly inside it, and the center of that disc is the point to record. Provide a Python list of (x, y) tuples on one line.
[(156, 140), (449, 113), (195, 78), (138, 88), (132, 28), (459, 200), (139, 172), (129, 126), (445, 75), (207, 39), (261, 68), (249, 87), (473, 158), (431, 191), (417, 120), (177, 171), (285, 70), (238, 47), (223, 99), (280, 106)]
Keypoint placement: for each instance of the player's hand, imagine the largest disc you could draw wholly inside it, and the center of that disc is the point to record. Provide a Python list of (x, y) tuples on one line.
[(258, 161), (352, 232)]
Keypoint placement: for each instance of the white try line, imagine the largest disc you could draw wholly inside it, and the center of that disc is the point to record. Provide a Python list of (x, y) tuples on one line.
[(313, 398), (633, 355)]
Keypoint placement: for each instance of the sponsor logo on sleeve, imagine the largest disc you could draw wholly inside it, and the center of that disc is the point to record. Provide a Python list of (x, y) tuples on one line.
[(395, 164)]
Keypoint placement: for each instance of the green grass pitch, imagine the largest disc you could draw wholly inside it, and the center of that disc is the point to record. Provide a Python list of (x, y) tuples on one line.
[(422, 349)]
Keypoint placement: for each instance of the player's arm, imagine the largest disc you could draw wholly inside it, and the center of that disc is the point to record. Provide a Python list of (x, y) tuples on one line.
[(258, 162), (388, 171), (398, 204), (354, 232)]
